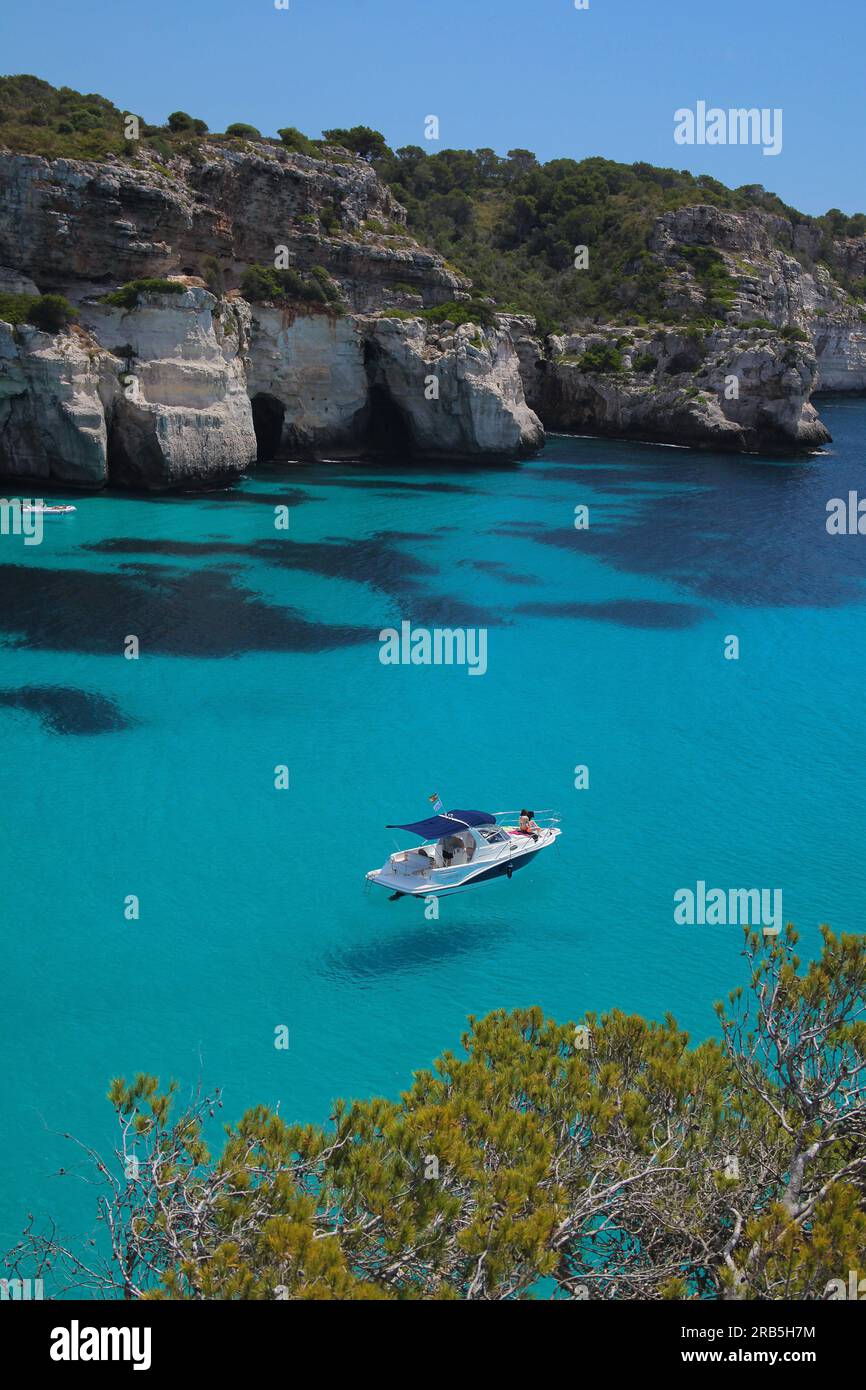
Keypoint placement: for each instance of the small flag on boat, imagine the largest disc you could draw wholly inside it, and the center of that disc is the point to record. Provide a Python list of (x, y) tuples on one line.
[(435, 802)]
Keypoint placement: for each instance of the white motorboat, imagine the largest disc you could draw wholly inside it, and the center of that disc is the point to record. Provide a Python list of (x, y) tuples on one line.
[(45, 510), (460, 849)]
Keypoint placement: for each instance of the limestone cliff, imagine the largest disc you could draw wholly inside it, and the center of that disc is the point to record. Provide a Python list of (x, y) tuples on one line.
[(472, 386), (783, 274), (735, 389), (53, 396), (790, 328), (183, 389)]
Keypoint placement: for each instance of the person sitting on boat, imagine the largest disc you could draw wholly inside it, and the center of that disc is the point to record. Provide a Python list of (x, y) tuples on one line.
[(527, 824), (450, 846)]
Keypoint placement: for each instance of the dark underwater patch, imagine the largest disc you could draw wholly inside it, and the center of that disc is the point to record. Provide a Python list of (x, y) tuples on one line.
[(374, 560), (66, 710), (500, 570), (443, 610), (625, 612), (731, 529), (202, 614), (417, 948)]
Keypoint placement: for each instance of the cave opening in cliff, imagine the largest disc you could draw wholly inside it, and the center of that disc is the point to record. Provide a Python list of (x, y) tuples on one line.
[(387, 430), (268, 417)]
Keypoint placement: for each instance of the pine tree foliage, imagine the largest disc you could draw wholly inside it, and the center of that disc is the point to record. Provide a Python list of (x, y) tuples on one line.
[(609, 1160)]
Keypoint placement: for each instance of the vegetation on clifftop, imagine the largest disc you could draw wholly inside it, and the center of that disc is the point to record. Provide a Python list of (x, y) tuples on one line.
[(262, 284), (509, 223), (129, 295), (49, 312)]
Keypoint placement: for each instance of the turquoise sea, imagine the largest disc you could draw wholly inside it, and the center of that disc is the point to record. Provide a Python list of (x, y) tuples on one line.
[(260, 647)]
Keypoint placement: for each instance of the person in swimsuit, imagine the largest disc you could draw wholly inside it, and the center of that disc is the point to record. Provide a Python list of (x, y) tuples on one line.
[(527, 824)]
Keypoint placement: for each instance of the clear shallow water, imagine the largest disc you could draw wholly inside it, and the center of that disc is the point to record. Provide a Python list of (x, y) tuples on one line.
[(155, 777)]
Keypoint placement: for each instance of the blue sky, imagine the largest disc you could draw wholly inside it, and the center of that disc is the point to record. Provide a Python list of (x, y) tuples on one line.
[(535, 73)]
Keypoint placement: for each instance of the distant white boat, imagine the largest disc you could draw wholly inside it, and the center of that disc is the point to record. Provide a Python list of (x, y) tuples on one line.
[(46, 510), (461, 849)]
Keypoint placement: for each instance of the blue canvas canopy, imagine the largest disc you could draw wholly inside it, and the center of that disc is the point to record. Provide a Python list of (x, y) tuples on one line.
[(436, 826)]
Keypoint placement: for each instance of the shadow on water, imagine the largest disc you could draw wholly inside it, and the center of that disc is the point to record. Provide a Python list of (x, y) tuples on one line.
[(198, 614), (735, 530), (500, 571), (65, 710), (624, 612), (416, 948), (375, 561)]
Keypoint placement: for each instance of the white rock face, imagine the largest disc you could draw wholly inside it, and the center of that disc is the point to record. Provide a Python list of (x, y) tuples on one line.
[(325, 373), (313, 366), (840, 345), (459, 393), (52, 406), (159, 396), (181, 416)]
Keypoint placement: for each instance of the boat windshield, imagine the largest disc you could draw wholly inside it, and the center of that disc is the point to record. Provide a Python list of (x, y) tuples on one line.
[(492, 834), (455, 849)]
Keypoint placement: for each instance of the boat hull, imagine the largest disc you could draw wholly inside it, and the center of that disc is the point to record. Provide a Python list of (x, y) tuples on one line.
[(440, 886)]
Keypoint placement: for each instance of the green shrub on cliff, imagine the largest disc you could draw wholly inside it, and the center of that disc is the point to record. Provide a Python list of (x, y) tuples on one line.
[(361, 139), (466, 311), (213, 275), (180, 122), (794, 334), (329, 218), (603, 357), (49, 312), (129, 295), (328, 285), (294, 139), (709, 268), (470, 311), (14, 308), (262, 284), (52, 312), (242, 131)]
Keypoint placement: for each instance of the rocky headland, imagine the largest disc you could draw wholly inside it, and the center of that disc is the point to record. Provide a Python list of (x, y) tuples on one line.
[(175, 371)]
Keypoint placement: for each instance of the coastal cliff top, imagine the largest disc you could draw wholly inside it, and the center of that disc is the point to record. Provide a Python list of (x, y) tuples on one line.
[(570, 242)]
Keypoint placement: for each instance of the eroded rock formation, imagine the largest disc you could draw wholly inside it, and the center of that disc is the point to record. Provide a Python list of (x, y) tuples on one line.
[(746, 390), (186, 389), (183, 390), (783, 274)]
